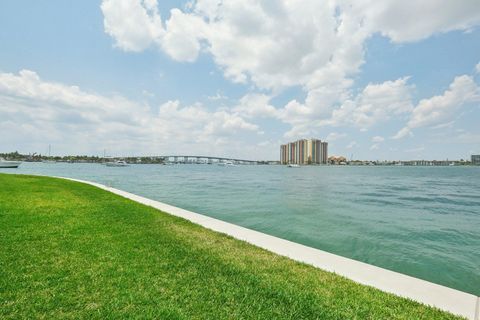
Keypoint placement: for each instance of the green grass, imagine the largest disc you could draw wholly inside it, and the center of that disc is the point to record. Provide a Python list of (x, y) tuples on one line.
[(69, 250)]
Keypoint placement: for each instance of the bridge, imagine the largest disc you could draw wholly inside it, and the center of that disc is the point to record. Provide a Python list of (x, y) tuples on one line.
[(202, 159)]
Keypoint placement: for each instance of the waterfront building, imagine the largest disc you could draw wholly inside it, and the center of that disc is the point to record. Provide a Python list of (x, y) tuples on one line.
[(337, 160), (304, 151), (476, 159)]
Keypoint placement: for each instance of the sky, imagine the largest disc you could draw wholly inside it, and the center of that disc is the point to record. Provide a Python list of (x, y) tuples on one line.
[(377, 80)]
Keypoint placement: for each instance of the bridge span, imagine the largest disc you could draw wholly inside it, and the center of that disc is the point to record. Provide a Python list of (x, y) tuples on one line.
[(202, 159)]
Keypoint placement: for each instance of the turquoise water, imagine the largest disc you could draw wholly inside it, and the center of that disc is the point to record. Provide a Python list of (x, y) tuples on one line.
[(420, 221)]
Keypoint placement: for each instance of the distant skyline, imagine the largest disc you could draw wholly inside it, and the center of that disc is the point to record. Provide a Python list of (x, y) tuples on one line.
[(377, 80)]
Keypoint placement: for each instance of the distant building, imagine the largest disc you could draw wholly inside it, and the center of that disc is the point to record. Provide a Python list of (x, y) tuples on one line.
[(476, 159), (337, 160), (304, 151)]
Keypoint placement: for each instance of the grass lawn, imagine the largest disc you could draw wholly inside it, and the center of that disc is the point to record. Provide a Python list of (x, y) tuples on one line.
[(69, 250)]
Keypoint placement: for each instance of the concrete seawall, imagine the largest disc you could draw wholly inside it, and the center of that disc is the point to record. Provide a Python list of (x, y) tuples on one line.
[(444, 298)]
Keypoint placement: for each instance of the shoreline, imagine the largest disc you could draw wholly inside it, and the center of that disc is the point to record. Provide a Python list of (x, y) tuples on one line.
[(441, 297)]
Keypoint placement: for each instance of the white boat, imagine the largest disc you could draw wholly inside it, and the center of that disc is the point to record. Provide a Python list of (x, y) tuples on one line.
[(293, 165), (118, 163), (226, 163), (9, 164)]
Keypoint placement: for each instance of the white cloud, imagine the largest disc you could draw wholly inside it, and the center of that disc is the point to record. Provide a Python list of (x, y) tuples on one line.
[(477, 68), (378, 139), (200, 123), (448, 124), (235, 27), (404, 21), (374, 146), (217, 96), (317, 45), (135, 25), (255, 105), (333, 136), (182, 36), (272, 44), (404, 132), (148, 94), (376, 103), (45, 112), (462, 90), (439, 109)]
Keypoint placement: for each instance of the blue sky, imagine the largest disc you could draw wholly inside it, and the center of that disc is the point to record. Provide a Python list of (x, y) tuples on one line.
[(238, 78)]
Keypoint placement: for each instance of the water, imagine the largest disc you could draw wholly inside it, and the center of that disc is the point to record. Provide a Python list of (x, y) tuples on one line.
[(420, 221)]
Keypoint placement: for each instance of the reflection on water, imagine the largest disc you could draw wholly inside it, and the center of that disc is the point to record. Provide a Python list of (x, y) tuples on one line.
[(422, 221)]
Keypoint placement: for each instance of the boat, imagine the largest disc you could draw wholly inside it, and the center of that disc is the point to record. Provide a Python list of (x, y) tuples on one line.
[(9, 164), (226, 163), (293, 165), (118, 163)]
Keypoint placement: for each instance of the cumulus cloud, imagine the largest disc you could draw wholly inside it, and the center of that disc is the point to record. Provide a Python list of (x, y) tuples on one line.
[(333, 136), (134, 25), (181, 39), (317, 45), (376, 103), (282, 43), (255, 105), (440, 109), (434, 110), (44, 112), (404, 21)]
